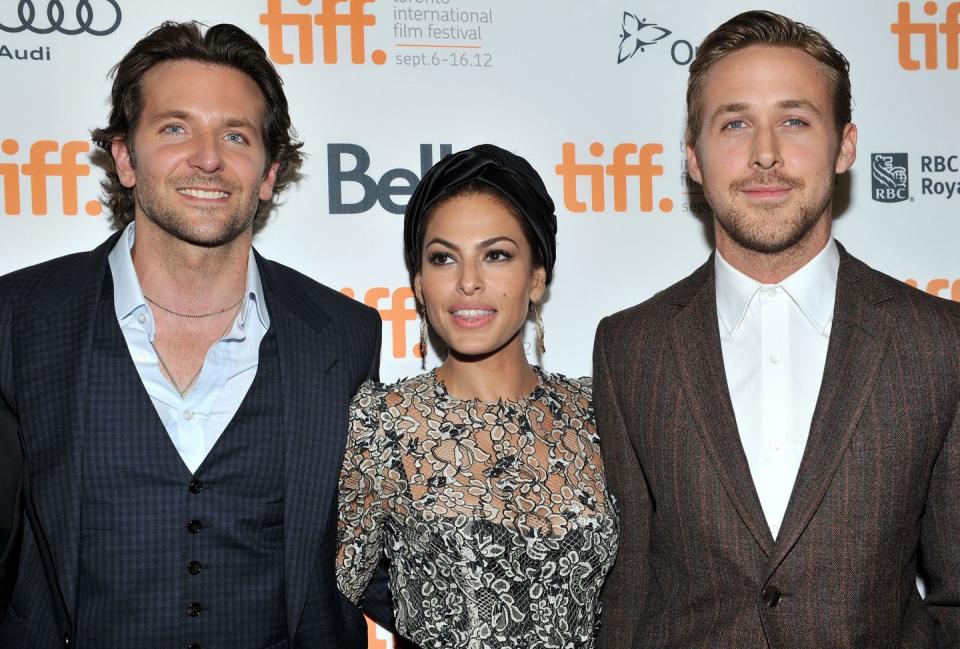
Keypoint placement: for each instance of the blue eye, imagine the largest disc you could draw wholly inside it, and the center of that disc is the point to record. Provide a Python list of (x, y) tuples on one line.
[(735, 125), (237, 137), (795, 121), (174, 129)]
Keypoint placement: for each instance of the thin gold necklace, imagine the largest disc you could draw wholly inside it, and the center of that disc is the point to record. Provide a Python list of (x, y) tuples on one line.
[(163, 364), (194, 315)]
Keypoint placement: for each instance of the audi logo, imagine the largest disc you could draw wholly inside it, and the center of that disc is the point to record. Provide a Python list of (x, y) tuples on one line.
[(56, 18)]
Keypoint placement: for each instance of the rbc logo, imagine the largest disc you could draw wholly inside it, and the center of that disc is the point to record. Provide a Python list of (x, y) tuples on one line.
[(890, 178)]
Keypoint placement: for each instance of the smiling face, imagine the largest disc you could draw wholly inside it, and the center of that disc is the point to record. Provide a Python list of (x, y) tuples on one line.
[(196, 160), (477, 277), (769, 152)]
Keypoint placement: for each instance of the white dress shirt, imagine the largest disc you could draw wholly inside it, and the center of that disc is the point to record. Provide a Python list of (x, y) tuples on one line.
[(774, 340), (195, 421)]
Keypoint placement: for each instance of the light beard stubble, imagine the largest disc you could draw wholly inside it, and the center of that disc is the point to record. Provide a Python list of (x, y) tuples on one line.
[(752, 236), (170, 221)]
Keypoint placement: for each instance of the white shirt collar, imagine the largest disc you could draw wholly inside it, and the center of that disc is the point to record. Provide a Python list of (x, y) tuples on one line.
[(128, 296), (813, 288)]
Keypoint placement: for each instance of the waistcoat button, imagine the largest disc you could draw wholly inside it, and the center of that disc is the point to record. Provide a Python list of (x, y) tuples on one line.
[(196, 486), (194, 526), (193, 609), (770, 596), (194, 567)]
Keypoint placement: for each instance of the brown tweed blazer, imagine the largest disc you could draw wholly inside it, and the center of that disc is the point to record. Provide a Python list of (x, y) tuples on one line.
[(876, 500)]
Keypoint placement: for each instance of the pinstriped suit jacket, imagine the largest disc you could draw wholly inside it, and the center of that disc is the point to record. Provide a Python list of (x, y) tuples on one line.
[(877, 497), (327, 345)]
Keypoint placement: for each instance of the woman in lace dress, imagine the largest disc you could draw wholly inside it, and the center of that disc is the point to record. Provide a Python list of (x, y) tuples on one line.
[(480, 480)]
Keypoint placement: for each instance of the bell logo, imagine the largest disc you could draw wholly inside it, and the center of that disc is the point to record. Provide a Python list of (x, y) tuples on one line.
[(629, 161), (890, 178), (330, 21), (353, 175), (38, 169), (399, 310), (906, 29)]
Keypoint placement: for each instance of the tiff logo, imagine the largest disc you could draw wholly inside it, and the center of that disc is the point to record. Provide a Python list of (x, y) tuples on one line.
[(38, 169), (330, 22), (906, 30), (629, 161), (400, 310), (890, 177)]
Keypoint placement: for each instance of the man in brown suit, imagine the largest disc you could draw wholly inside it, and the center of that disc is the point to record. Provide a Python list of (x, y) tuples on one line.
[(781, 427)]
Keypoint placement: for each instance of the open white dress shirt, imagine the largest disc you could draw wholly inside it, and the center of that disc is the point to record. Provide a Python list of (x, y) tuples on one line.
[(196, 420), (774, 340)]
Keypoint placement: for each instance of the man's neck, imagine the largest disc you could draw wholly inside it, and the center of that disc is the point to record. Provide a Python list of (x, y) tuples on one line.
[(773, 268), (186, 277)]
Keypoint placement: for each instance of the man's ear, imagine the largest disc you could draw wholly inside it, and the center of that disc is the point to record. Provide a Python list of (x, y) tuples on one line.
[(123, 160), (847, 151), (693, 163), (269, 178)]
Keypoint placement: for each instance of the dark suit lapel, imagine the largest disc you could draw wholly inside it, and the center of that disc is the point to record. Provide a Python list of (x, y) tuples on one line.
[(54, 338), (858, 338), (696, 343), (313, 453)]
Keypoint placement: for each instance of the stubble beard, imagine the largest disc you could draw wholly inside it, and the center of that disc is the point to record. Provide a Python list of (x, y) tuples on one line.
[(177, 225), (768, 231)]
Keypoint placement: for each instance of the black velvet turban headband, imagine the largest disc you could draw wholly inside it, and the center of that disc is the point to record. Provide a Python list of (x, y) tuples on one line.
[(510, 174)]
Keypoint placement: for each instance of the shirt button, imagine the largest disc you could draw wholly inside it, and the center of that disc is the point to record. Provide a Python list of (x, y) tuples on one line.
[(196, 486), (194, 526), (193, 609), (188, 415), (774, 358), (774, 444), (141, 318), (194, 567)]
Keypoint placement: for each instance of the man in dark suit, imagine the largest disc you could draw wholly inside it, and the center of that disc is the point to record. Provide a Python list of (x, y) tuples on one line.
[(173, 405), (781, 427)]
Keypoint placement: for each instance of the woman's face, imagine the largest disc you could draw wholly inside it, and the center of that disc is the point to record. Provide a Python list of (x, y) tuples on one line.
[(477, 277)]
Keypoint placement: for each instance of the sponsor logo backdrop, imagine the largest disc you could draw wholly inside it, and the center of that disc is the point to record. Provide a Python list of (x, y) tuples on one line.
[(591, 93)]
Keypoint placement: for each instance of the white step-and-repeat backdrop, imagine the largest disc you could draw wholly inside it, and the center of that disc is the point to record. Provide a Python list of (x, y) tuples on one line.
[(592, 93)]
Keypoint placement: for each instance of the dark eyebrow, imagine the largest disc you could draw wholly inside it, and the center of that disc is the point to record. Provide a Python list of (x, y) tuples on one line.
[(442, 242), (489, 242), (486, 243)]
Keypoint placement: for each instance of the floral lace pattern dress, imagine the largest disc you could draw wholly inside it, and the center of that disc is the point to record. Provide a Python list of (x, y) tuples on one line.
[(495, 517)]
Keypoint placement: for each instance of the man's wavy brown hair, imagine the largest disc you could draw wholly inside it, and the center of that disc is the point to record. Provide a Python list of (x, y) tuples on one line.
[(225, 45)]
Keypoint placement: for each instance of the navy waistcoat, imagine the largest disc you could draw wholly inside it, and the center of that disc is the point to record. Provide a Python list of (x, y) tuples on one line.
[(169, 559)]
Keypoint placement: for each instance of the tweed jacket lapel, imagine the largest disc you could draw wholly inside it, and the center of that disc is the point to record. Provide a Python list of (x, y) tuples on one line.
[(308, 362), (695, 338), (53, 340), (858, 338)]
